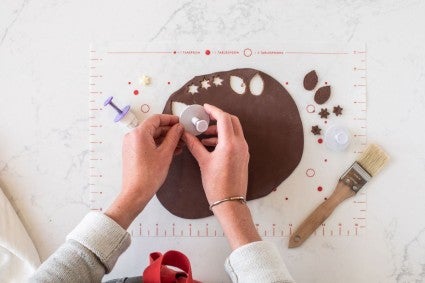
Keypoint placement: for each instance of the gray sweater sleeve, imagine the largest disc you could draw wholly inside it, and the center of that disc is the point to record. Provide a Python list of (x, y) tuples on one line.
[(93, 247), (90, 251), (257, 262)]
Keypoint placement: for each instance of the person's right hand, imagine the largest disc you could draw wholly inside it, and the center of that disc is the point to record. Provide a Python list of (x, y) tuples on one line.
[(225, 170), (225, 174)]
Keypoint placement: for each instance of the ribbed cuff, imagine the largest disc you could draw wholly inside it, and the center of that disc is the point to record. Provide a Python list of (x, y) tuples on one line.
[(103, 236), (257, 262)]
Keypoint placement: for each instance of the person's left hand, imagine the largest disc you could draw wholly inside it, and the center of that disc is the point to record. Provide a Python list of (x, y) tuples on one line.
[(147, 154)]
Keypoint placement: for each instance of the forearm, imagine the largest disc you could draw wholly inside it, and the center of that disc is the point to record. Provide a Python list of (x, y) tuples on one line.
[(72, 262), (90, 251), (125, 208), (236, 220), (252, 259)]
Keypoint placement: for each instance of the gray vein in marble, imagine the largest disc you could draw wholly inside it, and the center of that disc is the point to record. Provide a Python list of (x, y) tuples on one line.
[(5, 165), (413, 266), (356, 23), (78, 163), (389, 236), (9, 26), (170, 18)]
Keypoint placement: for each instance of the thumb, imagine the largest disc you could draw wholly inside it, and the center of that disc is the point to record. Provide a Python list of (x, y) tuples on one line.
[(172, 138), (197, 149)]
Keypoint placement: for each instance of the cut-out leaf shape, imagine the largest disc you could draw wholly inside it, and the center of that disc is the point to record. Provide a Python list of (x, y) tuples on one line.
[(237, 84), (310, 80), (177, 108), (322, 94), (256, 85)]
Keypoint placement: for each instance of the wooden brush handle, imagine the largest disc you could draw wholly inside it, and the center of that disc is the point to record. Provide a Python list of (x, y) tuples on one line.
[(320, 214)]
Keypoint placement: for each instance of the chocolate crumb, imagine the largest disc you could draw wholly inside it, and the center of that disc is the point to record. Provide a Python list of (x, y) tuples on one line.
[(324, 113), (316, 130), (338, 110), (322, 94), (310, 80)]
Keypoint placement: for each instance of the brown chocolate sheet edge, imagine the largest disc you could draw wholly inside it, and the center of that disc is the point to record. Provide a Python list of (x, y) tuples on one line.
[(272, 128)]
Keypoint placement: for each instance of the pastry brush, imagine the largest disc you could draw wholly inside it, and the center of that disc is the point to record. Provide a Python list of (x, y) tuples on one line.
[(368, 165)]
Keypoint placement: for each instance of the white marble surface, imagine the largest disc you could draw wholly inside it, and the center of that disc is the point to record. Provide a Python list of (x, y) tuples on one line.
[(44, 118)]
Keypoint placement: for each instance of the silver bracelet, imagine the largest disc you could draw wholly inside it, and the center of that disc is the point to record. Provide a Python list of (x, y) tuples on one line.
[(240, 199)]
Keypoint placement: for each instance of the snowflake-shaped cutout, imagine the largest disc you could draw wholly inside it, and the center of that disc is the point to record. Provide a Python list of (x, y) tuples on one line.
[(205, 84), (217, 81), (193, 89)]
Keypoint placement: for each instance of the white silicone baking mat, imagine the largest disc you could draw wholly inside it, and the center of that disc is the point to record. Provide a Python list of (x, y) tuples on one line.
[(116, 70)]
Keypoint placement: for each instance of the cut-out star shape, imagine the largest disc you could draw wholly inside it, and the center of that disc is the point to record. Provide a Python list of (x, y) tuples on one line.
[(324, 113), (316, 130), (217, 81), (193, 89), (338, 110), (205, 83)]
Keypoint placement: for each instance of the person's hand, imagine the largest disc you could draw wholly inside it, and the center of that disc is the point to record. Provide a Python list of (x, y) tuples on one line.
[(225, 170), (147, 153), (225, 174)]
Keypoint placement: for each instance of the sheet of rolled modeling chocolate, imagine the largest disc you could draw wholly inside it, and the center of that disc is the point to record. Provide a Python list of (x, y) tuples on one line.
[(303, 111)]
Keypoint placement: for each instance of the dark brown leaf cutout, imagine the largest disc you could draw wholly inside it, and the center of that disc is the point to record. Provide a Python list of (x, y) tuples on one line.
[(310, 80), (322, 94)]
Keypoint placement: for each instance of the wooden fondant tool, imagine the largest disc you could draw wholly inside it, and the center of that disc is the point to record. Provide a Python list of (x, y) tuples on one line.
[(368, 165)]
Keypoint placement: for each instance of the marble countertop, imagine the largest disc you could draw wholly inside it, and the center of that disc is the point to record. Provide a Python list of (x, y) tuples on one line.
[(44, 118)]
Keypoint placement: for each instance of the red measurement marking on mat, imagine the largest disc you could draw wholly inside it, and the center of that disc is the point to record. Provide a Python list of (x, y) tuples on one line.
[(320, 140), (316, 53), (310, 172), (136, 92), (310, 108), (145, 108), (320, 188)]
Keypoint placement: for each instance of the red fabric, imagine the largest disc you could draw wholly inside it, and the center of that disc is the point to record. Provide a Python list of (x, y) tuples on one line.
[(158, 272)]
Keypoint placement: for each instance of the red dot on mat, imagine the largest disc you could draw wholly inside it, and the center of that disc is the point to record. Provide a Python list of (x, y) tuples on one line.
[(129, 83), (174, 52), (136, 92), (320, 140), (286, 198), (286, 83), (168, 83), (326, 160), (207, 52), (319, 188), (325, 198), (326, 83), (326, 122)]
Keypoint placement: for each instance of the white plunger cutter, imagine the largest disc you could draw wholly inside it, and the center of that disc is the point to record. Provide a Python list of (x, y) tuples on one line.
[(195, 119), (337, 138), (124, 116)]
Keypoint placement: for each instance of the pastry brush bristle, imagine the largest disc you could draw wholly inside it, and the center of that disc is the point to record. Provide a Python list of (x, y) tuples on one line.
[(373, 159)]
